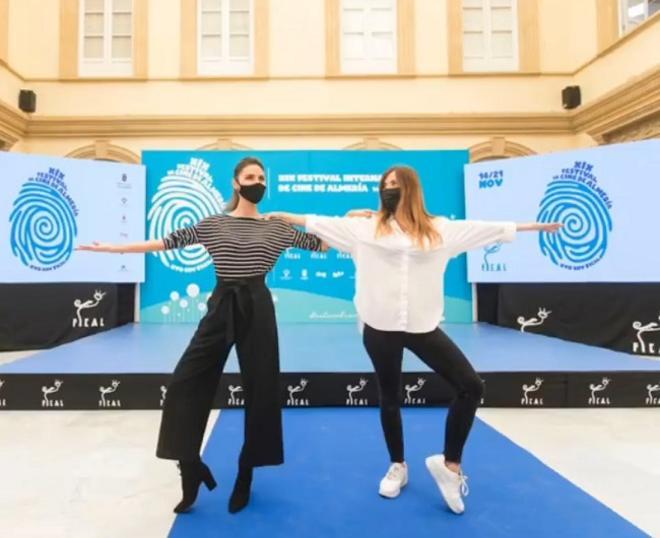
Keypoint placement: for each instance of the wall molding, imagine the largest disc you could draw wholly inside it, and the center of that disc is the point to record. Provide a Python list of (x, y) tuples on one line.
[(231, 126), (372, 142), (104, 149), (642, 130), (625, 105), (13, 72), (224, 143), (498, 147), (13, 125), (630, 104)]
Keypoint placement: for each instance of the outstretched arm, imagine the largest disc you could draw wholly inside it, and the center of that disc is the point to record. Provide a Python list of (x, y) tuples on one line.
[(550, 227), (464, 235), (307, 241), (183, 237), (291, 218), (143, 246), (304, 240), (338, 232)]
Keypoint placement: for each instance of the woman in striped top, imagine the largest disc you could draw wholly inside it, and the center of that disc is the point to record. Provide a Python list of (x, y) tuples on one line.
[(400, 256), (244, 247)]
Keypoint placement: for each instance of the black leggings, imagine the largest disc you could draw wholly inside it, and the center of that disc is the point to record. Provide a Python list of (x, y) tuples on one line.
[(385, 348)]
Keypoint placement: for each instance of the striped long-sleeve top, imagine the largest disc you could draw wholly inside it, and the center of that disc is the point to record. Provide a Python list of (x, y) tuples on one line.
[(242, 247)]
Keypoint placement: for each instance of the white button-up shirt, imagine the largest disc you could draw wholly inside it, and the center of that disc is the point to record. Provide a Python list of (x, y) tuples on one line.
[(399, 286)]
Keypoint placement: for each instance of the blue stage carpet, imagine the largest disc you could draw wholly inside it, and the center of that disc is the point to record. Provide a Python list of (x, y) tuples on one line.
[(335, 459)]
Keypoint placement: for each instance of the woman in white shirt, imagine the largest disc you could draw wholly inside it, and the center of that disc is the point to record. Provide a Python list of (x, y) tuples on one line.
[(400, 256)]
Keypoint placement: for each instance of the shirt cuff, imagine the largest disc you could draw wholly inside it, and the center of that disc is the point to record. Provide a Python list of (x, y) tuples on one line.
[(509, 233), (169, 243)]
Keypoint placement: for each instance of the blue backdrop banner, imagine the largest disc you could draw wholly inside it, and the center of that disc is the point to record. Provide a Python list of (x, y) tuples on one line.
[(606, 197), (183, 187), (52, 204)]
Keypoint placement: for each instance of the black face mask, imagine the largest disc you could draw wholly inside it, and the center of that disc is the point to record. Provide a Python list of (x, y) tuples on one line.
[(253, 193), (390, 199)]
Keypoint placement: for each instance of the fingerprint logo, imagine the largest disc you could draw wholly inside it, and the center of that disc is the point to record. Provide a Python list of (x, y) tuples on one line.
[(584, 209), (43, 222), (184, 197)]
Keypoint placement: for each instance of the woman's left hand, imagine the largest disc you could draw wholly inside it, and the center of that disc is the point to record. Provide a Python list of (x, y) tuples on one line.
[(550, 227)]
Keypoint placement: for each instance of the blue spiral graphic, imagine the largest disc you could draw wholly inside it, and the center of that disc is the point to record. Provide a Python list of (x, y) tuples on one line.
[(43, 226), (583, 240), (184, 197)]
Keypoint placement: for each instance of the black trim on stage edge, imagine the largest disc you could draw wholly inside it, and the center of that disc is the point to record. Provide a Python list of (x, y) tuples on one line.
[(39, 316), (50, 392)]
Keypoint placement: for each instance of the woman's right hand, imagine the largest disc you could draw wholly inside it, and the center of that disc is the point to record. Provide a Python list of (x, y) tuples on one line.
[(100, 247), (291, 218), (278, 215)]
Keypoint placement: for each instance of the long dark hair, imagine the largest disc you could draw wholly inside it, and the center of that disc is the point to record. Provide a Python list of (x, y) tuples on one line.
[(246, 161), (412, 211)]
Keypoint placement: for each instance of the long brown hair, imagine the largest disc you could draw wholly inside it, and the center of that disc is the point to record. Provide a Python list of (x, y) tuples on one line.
[(246, 161), (411, 212)]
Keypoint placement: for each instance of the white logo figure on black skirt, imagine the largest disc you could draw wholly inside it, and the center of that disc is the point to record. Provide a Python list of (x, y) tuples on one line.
[(410, 399), (233, 401), (651, 399), (532, 401), (641, 346), (599, 400), (46, 402), (297, 402), (109, 402), (533, 322), (3, 401), (163, 394), (352, 389), (79, 320)]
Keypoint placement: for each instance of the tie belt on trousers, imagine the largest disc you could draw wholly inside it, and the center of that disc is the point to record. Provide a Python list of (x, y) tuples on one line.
[(236, 304)]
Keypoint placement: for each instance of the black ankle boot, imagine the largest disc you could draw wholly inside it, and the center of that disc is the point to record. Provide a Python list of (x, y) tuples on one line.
[(193, 473), (241, 494)]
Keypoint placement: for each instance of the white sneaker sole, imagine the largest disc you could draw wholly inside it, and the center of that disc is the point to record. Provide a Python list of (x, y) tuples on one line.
[(392, 495), (433, 467)]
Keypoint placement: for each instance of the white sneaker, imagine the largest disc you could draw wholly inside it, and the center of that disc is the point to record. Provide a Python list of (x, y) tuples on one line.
[(453, 486), (394, 480)]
